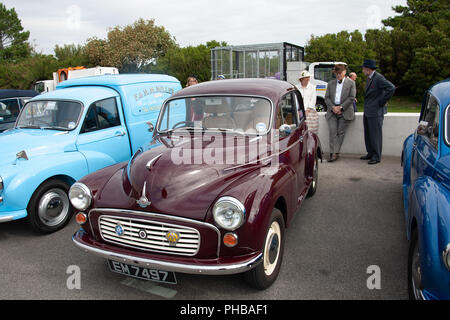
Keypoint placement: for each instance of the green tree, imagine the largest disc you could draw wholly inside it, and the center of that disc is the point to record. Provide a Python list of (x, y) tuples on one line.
[(182, 62), (420, 38), (13, 40), (71, 55), (131, 48)]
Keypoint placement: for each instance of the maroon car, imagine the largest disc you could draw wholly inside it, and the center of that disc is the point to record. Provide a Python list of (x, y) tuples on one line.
[(230, 163)]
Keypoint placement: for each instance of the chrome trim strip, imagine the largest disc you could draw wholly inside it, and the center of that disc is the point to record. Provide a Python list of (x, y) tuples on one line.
[(6, 219), (446, 125), (147, 249), (171, 266), (161, 216)]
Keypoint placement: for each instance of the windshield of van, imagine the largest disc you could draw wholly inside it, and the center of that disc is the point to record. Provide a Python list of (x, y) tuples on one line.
[(54, 115), (246, 115)]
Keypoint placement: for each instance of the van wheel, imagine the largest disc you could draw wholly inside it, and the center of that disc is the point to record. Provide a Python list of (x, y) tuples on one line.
[(49, 209), (321, 106), (265, 274), (315, 179)]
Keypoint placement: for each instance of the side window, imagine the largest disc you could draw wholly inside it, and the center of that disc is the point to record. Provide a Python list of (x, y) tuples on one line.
[(286, 117), (299, 106), (429, 122), (101, 115)]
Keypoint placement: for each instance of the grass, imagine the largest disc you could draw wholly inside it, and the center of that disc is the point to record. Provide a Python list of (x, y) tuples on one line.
[(400, 104)]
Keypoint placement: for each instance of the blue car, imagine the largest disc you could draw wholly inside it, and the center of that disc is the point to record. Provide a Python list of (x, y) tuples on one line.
[(60, 136), (426, 197)]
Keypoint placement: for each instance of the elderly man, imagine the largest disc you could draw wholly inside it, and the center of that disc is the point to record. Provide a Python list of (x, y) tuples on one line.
[(378, 92), (339, 99)]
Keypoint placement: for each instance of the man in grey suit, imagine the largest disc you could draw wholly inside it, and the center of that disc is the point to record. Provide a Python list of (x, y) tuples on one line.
[(339, 99), (378, 92)]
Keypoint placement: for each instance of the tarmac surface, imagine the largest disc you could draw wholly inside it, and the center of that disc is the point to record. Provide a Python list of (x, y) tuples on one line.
[(346, 242)]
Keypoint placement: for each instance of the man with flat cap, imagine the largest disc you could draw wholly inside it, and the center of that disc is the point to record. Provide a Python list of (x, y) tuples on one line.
[(378, 92)]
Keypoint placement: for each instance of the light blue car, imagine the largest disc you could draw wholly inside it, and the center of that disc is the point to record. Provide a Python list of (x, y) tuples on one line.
[(59, 137)]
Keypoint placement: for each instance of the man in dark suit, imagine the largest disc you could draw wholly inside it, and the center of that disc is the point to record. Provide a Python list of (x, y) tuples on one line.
[(378, 92), (339, 99)]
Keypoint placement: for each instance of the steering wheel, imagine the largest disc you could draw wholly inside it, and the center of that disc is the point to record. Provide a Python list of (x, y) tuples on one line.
[(188, 124)]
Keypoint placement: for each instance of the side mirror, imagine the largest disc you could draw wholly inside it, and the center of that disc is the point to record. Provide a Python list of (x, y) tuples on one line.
[(150, 126)]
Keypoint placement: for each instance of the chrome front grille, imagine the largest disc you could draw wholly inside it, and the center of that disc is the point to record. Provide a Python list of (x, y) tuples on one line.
[(149, 235)]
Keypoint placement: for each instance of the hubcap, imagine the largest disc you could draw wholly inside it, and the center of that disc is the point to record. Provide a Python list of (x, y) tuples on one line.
[(53, 207), (272, 248)]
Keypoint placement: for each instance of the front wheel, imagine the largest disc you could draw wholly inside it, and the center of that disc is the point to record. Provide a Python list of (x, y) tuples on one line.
[(315, 179), (50, 209), (414, 269), (265, 274)]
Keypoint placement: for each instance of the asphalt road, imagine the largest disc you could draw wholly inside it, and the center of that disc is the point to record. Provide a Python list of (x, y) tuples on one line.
[(353, 222)]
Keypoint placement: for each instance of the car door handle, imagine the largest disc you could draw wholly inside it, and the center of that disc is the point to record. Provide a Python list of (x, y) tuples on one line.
[(119, 133)]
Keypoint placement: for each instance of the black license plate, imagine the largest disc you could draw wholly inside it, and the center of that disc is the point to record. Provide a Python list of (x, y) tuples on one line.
[(142, 273)]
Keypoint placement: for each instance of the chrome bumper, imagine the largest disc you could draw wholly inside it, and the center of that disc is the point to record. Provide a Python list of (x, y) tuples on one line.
[(222, 269)]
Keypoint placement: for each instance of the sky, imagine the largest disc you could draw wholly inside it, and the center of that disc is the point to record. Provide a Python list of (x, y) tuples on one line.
[(194, 22)]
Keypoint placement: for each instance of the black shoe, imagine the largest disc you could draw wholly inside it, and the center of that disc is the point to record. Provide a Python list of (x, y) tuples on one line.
[(373, 161), (366, 157)]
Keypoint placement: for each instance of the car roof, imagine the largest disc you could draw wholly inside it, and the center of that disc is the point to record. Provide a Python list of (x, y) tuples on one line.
[(441, 90), (115, 80), (86, 95), (272, 89), (13, 93)]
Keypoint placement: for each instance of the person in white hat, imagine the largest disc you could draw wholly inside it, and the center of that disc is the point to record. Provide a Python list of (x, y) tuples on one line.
[(308, 92)]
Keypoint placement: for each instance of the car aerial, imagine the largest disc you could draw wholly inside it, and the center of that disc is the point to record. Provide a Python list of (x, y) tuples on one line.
[(235, 161), (11, 102), (60, 136), (426, 197)]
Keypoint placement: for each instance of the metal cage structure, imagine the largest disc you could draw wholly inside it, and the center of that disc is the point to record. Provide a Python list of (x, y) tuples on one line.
[(254, 61)]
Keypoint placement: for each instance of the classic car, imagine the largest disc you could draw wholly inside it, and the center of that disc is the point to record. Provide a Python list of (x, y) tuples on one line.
[(426, 197), (60, 136), (11, 102), (235, 162)]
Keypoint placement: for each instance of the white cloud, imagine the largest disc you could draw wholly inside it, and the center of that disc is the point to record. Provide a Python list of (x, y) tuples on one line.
[(235, 21)]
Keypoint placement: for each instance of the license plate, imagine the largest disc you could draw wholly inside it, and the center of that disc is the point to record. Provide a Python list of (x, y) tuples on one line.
[(142, 273)]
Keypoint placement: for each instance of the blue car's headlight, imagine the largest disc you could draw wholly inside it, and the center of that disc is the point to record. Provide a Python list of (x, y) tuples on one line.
[(446, 256), (1, 184)]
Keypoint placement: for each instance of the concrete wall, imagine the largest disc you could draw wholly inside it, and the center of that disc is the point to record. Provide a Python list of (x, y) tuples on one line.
[(396, 127)]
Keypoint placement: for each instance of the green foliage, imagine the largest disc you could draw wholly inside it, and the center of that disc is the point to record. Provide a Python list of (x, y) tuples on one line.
[(411, 50), (131, 48), (182, 62), (13, 40)]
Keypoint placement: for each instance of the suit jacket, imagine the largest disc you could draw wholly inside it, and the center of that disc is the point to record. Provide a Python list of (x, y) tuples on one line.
[(348, 95), (378, 92)]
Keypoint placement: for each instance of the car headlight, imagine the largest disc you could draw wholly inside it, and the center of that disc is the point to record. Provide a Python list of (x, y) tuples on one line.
[(229, 213), (1, 184), (80, 196), (446, 256)]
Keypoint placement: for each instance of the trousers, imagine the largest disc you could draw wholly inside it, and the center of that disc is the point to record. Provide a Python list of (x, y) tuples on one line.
[(337, 126), (373, 136)]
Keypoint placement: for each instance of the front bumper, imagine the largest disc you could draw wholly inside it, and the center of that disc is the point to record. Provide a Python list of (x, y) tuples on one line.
[(219, 266)]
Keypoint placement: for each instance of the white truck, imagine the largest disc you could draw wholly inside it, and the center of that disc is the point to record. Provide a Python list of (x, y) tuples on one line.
[(71, 73), (321, 73)]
